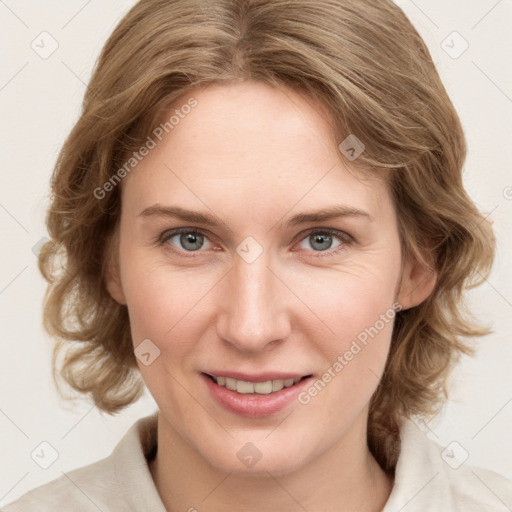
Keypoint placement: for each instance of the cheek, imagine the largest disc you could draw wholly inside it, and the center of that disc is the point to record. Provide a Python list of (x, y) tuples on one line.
[(358, 305), (354, 357), (353, 299), (164, 304)]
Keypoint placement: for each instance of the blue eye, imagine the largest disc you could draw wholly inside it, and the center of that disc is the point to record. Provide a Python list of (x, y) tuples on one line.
[(189, 240), (322, 240)]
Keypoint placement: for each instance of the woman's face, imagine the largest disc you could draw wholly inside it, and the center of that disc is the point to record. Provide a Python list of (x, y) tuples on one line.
[(265, 294)]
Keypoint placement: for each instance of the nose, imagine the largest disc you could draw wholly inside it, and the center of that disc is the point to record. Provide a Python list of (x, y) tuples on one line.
[(253, 306)]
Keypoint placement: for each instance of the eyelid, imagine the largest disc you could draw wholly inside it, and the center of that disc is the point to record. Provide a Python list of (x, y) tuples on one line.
[(342, 235), (169, 233)]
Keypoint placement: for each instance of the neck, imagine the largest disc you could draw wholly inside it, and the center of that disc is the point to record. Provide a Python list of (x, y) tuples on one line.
[(344, 478)]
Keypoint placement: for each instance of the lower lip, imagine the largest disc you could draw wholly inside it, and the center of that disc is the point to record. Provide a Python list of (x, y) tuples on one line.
[(254, 405)]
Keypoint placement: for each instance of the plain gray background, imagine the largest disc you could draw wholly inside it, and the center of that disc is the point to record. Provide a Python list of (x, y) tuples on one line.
[(40, 96)]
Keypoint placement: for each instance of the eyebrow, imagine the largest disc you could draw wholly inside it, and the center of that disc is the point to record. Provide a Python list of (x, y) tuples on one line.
[(327, 214), (207, 219)]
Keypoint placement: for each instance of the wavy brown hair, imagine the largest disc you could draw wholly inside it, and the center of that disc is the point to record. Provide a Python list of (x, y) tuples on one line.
[(368, 66)]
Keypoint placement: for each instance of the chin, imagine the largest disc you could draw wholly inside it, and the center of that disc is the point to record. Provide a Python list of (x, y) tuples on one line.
[(246, 459)]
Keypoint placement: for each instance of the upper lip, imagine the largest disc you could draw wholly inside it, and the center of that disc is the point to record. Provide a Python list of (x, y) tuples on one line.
[(257, 377)]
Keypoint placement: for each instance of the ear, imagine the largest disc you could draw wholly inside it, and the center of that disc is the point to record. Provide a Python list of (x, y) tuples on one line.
[(112, 274), (417, 283)]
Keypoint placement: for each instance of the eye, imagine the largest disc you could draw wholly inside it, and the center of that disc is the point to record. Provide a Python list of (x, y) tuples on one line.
[(186, 239), (321, 240)]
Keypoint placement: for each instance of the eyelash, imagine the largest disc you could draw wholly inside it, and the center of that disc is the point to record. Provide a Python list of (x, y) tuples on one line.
[(344, 238)]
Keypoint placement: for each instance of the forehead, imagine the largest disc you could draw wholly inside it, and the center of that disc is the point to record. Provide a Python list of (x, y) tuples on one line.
[(249, 145), (239, 120)]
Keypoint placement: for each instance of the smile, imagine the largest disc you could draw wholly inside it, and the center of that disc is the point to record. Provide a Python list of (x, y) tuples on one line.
[(254, 396), (260, 388)]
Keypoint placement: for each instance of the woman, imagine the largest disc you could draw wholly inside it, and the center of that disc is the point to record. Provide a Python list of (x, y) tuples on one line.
[(260, 216)]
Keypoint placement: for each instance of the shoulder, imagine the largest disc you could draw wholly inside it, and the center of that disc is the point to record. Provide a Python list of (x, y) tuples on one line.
[(119, 482), (474, 489), (81, 488), (430, 477)]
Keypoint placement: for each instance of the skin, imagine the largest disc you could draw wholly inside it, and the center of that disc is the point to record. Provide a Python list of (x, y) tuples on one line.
[(254, 156)]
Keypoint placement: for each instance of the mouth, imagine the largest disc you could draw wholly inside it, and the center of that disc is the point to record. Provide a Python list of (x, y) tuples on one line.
[(254, 396), (255, 387)]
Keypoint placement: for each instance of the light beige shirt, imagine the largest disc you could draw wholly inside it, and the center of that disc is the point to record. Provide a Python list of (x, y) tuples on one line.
[(427, 479)]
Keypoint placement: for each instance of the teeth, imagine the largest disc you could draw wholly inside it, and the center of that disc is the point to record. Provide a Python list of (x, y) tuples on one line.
[(230, 383), (249, 388), (263, 388), (244, 387), (277, 385)]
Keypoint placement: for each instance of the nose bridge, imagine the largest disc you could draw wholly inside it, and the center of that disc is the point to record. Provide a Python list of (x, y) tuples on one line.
[(254, 313)]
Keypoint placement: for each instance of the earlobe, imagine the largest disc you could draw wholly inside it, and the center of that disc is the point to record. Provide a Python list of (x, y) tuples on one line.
[(112, 274), (418, 282), (114, 286)]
